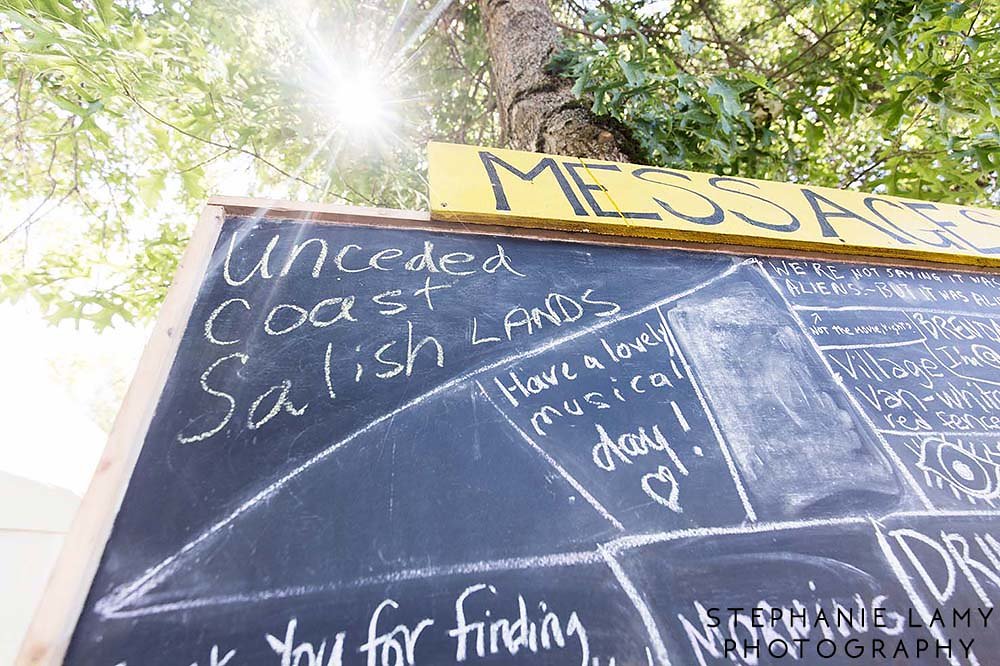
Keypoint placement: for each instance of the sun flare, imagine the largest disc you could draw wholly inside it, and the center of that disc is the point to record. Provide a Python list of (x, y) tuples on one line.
[(359, 103)]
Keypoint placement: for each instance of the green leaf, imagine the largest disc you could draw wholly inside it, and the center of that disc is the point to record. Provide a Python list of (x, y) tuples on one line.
[(892, 110), (193, 181), (150, 188), (160, 136), (140, 40), (730, 100), (106, 11), (633, 72), (72, 107), (956, 9), (581, 83), (689, 44)]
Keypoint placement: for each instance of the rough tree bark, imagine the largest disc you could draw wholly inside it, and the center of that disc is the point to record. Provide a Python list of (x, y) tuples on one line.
[(538, 111)]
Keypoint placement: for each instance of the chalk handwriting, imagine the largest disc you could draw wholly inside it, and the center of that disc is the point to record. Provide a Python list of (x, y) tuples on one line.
[(396, 647), (492, 633), (293, 652), (353, 258)]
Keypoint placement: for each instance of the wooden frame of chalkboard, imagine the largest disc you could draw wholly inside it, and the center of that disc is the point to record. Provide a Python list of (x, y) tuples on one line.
[(57, 614), (55, 617)]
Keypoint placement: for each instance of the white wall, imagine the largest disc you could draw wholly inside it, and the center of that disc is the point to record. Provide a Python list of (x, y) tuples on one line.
[(34, 518), (61, 387)]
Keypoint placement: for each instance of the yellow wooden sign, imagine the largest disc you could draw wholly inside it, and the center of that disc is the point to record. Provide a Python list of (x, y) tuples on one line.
[(494, 186)]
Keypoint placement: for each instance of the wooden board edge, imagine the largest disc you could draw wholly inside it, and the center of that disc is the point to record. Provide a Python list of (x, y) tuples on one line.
[(763, 245), (533, 229), (56, 615), (306, 210)]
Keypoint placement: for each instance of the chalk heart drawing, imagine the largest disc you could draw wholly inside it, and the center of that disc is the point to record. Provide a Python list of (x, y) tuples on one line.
[(139, 596), (663, 488), (961, 466), (953, 464)]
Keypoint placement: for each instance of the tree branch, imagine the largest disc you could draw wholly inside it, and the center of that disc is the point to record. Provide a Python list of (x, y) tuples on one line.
[(228, 147)]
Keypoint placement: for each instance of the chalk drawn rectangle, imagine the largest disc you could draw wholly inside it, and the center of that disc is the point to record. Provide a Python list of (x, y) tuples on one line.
[(797, 442)]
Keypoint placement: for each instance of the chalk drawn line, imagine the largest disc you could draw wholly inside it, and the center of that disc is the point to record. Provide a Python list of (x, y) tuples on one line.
[(561, 560), (858, 408), (906, 582), (710, 415), (873, 345), (125, 601), (940, 433), (553, 463), (612, 548), (127, 593), (624, 582), (889, 308)]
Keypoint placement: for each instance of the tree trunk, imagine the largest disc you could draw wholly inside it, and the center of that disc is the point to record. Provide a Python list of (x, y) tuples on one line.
[(538, 111)]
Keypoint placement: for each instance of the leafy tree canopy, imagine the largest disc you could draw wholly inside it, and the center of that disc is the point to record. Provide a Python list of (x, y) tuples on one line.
[(118, 117)]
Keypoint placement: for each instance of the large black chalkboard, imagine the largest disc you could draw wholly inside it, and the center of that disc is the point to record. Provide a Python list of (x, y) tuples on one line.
[(402, 446)]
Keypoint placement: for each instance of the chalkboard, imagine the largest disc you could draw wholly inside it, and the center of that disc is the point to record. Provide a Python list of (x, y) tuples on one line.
[(392, 444)]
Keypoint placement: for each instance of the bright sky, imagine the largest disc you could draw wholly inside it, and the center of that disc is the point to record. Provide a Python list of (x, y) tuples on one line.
[(65, 384), (62, 387)]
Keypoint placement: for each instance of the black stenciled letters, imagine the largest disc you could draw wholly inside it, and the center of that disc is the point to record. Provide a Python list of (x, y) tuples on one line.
[(715, 217), (490, 162), (789, 226), (949, 227), (834, 210), (586, 189), (909, 239)]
